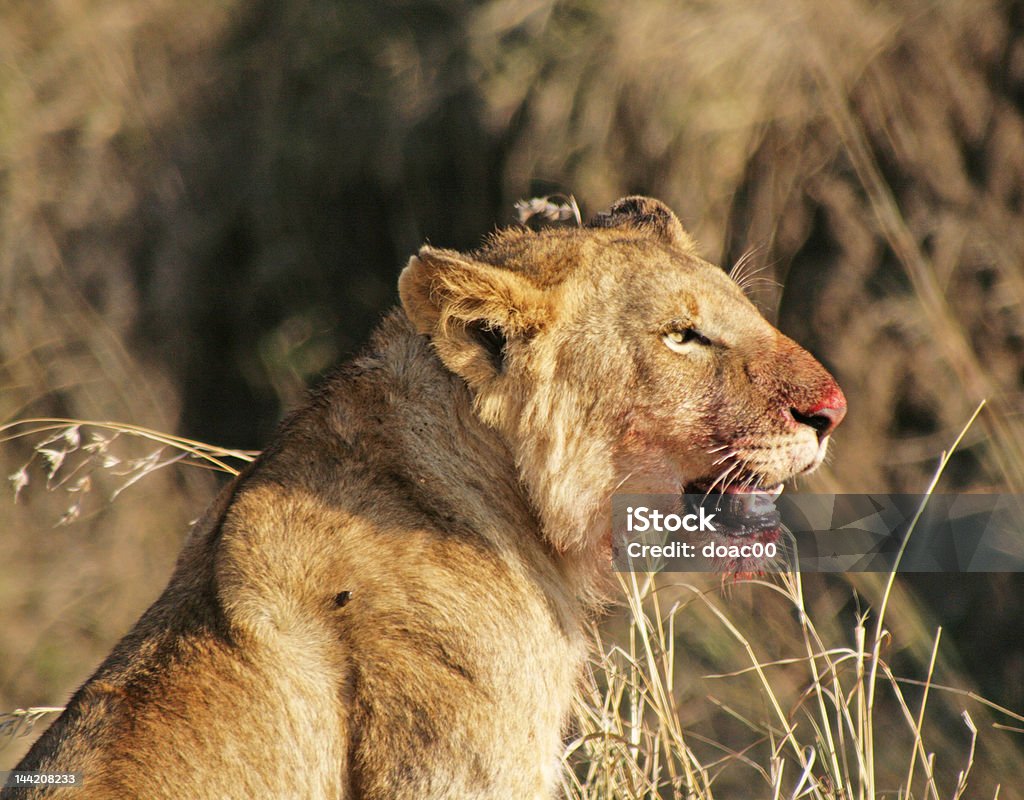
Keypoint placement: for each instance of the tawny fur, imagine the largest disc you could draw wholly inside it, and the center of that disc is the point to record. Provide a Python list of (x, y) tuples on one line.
[(390, 602)]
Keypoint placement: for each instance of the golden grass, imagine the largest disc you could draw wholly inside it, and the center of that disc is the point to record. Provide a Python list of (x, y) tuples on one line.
[(872, 152), (813, 737)]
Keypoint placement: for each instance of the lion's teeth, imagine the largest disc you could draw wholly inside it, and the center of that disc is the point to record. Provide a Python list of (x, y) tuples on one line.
[(749, 504), (761, 504), (776, 491)]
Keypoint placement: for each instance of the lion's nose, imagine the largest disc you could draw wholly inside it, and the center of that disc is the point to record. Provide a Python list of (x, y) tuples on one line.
[(824, 417)]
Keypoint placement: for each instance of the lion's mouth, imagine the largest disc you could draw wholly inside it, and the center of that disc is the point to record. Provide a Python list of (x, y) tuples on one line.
[(748, 512), (747, 526)]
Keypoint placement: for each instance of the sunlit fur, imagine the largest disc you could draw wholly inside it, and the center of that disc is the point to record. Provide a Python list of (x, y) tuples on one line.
[(390, 603)]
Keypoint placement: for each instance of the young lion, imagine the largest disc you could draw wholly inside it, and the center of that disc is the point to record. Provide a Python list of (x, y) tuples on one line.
[(389, 602)]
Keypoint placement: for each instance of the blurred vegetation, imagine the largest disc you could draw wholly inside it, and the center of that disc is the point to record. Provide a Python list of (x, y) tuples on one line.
[(205, 203)]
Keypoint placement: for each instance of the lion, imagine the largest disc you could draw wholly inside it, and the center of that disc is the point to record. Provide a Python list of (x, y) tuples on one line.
[(391, 601)]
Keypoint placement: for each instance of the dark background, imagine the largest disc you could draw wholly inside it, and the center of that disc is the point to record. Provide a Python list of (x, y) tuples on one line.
[(204, 205)]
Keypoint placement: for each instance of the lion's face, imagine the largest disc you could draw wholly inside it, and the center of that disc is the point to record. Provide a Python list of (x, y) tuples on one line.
[(613, 359), (714, 395)]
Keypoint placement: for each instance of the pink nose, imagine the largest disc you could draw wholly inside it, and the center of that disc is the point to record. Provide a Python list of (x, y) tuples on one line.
[(824, 418)]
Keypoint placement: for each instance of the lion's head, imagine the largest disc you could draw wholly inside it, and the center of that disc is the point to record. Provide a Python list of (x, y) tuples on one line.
[(613, 358)]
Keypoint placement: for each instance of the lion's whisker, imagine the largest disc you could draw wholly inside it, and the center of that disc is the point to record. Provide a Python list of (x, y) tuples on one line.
[(731, 481), (620, 483), (722, 476)]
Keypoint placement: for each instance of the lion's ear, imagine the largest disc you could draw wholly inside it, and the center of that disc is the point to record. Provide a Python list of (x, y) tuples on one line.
[(469, 309), (648, 215)]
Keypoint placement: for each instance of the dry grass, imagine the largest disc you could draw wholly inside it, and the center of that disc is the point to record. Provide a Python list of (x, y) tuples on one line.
[(205, 203), (828, 717), (71, 458), (814, 736)]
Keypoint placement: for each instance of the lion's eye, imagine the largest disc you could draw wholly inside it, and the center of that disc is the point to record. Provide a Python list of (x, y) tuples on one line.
[(678, 338)]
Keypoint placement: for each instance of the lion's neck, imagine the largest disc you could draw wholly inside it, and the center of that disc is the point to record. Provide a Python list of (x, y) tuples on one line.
[(440, 439), (398, 410)]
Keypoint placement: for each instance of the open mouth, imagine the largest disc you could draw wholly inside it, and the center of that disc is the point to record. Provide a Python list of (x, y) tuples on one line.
[(747, 526), (748, 512)]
